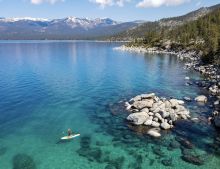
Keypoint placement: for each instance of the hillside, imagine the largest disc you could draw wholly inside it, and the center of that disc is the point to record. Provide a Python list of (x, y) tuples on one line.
[(163, 24), (201, 35)]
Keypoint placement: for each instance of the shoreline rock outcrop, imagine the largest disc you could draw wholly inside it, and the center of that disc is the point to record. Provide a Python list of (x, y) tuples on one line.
[(157, 113)]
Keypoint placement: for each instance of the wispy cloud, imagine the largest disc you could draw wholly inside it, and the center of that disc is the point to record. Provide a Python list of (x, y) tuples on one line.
[(158, 3), (104, 3), (36, 2)]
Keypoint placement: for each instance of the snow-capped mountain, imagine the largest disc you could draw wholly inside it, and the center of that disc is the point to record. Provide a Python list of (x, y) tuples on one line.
[(86, 23), (66, 28), (22, 19)]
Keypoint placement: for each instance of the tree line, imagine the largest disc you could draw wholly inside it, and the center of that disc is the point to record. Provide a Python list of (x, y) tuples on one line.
[(202, 35)]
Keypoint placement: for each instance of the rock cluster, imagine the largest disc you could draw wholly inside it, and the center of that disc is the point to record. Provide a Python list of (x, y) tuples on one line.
[(150, 110)]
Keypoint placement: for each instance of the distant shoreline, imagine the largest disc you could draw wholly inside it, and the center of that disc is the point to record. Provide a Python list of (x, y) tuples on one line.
[(101, 41)]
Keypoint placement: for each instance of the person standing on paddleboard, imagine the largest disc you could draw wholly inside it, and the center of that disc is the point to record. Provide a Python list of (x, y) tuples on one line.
[(69, 132)]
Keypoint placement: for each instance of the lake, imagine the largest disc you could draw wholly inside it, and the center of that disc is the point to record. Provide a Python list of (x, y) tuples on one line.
[(47, 87)]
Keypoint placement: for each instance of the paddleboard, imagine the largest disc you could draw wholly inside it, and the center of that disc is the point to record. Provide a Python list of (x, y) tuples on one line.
[(70, 137)]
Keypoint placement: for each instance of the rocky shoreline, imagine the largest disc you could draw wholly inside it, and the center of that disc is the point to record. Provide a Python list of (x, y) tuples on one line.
[(192, 61)]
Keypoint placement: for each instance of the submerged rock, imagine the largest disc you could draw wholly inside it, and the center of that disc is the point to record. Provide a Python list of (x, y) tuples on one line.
[(154, 132), (85, 142), (91, 153), (173, 145), (157, 150), (192, 159), (167, 162), (185, 143), (23, 161), (202, 99), (188, 99)]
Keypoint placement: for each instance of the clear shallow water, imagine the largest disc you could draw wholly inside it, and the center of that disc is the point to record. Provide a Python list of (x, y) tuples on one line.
[(48, 87)]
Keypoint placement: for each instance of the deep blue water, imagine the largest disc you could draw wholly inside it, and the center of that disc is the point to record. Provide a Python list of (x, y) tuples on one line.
[(47, 87)]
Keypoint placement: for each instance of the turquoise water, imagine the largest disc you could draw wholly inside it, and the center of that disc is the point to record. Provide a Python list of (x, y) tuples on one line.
[(47, 87)]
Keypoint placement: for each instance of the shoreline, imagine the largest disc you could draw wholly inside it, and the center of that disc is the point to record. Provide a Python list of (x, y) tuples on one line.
[(192, 60), (56, 40)]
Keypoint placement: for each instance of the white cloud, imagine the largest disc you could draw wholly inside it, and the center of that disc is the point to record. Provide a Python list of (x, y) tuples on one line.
[(36, 2), (158, 3), (104, 3)]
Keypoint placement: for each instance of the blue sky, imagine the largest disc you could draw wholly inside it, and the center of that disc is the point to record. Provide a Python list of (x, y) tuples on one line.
[(120, 10)]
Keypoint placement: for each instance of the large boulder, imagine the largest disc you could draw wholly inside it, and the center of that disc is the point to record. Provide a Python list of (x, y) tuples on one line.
[(181, 102), (139, 105), (148, 122), (155, 124), (159, 116), (167, 104), (174, 102), (148, 96), (165, 126), (162, 106), (137, 98), (157, 110), (173, 116), (213, 89), (143, 104), (180, 108), (138, 118), (164, 114), (150, 114), (154, 132), (145, 110), (202, 99)]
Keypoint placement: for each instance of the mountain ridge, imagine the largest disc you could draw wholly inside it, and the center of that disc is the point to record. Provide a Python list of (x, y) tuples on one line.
[(69, 28)]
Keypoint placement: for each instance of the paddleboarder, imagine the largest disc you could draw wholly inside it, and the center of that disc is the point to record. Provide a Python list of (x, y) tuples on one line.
[(69, 132)]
